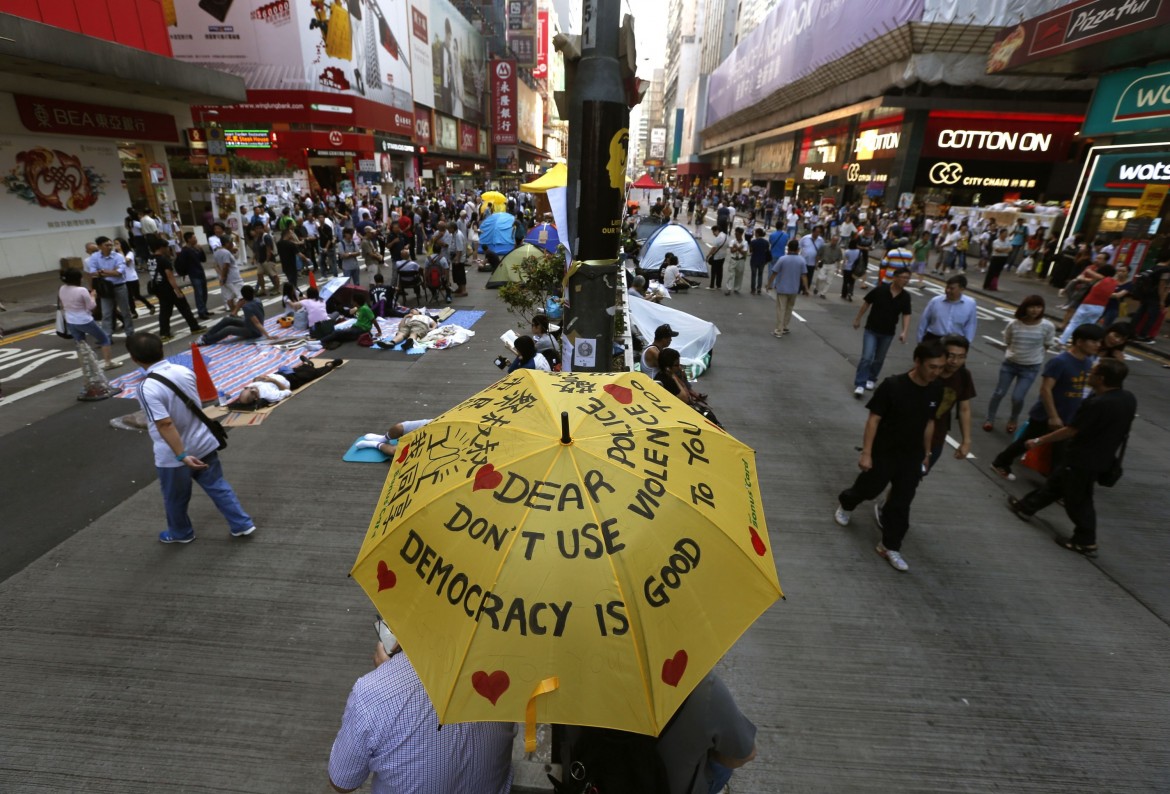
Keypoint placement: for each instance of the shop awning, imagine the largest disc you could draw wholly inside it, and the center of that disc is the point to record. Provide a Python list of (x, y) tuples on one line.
[(557, 176)]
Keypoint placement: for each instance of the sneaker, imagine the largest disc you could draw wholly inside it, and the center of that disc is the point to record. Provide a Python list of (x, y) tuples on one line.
[(777, 334), (166, 536), (894, 558), (841, 515), (869, 384), (111, 365), (859, 392), (379, 437), (1002, 472), (166, 337), (239, 533), (877, 513)]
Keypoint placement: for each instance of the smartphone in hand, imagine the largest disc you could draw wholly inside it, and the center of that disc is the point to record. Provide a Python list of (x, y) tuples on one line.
[(384, 634)]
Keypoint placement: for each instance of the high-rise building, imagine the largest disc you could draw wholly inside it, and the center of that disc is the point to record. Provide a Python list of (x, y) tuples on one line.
[(682, 68), (718, 34), (751, 14)]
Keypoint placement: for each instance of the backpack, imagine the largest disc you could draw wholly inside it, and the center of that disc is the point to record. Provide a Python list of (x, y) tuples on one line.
[(1145, 284), (433, 275), (607, 761), (260, 247)]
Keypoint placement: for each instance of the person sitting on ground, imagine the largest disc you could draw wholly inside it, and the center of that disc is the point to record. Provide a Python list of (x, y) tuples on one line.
[(526, 357), (411, 329), (250, 326), (315, 311), (672, 378), (385, 442), (638, 289), (289, 294), (672, 279), (545, 342), (269, 389), (379, 296), (365, 321)]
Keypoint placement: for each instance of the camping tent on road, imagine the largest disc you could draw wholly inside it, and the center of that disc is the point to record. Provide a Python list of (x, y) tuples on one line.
[(674, 238), (507, 271)]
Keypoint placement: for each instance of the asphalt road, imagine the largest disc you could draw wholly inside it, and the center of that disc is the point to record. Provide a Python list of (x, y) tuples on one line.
[(1000, 662)]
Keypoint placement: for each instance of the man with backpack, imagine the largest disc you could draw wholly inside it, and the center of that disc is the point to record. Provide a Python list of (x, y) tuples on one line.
[(164, 286), (1150, 289), (437, 273)]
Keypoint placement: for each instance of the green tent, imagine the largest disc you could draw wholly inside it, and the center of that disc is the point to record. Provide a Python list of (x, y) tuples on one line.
[(508, 270)]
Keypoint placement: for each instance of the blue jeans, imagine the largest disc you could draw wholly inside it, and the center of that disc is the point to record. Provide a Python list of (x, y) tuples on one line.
[(873, 355), (176, 489), (1024, 375), (91, 328), (230, 326), (199, 287)]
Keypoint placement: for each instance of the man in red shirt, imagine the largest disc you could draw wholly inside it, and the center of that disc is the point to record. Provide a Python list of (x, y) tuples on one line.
[(1093, 306), (404, 224)]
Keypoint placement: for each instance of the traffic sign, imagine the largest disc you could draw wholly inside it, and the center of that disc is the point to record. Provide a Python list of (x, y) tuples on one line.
[(215, 142), (218, 165)]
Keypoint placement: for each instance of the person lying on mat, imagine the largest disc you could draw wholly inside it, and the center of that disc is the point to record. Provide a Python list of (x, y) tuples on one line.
[(250, 326), (364, 323), (269, 389), (385, 442), (413, 328)]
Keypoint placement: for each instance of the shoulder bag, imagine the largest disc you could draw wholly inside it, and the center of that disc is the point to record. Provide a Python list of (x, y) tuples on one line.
[(62, 326), (218, 430)]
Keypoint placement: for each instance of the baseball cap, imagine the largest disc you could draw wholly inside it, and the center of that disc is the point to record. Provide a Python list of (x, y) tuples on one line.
[(664, 331)]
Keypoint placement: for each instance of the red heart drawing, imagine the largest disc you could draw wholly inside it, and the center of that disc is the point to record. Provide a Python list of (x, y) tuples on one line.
[(758, 542), (402, 455), (620, 393), (490, 686), (386, 577), (673, 669), (487, 477)]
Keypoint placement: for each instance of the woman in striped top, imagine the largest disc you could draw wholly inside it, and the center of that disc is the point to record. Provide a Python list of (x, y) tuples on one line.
[(1026, 337)]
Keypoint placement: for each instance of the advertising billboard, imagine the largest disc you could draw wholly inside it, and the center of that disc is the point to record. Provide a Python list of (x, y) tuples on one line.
[(530, 116), (59, 186), (343, 52), (1132, 100), (543, 34), (505, 127), (448, 57), (796, 38)]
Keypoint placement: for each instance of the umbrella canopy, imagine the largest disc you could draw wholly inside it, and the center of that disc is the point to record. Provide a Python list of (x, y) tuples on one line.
[(545, 236), (557, 176), (508, 269), (494, 199), (576, 548), (646, 183), (495, 232)]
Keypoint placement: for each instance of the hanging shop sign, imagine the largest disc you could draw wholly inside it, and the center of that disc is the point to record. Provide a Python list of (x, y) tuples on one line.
[(468, 138), (423, 127), (878, 141), (1071, 27), (386, 145), (540, 71), (1133, 100), (59, 117), (505, 129), (856, 172), (814, 174), (992, 136), (247, 139), (1133, 172)]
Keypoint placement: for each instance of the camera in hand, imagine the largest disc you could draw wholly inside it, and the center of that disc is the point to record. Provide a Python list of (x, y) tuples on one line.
[(501, 362)]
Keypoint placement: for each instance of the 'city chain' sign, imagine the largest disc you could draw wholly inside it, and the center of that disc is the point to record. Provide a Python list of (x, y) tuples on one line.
[(951, 175), (995, 140)]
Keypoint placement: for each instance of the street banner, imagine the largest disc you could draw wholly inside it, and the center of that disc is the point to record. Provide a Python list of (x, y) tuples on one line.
[(540, 71), (60, 185), (505, 130), (448, 57)]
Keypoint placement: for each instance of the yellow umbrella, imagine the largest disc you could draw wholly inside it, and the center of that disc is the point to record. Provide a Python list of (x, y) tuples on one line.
[(570, 548), (496, 199)]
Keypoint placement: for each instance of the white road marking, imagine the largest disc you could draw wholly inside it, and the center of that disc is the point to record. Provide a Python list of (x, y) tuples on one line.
[(994, 341), (955, 445), (797, 316)]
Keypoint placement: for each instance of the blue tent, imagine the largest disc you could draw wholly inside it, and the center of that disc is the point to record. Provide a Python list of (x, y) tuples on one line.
[(495, 233), (676, 239), (544, 235)]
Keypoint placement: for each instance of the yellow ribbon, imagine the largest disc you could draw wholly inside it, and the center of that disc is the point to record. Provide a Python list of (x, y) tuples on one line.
[(543, 688)]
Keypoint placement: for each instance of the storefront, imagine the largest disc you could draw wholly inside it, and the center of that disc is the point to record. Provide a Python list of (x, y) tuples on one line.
[(981, 158), (395, 162), (1123, 186), (819, 165), (771, 165), (331, 157), (871, 159)]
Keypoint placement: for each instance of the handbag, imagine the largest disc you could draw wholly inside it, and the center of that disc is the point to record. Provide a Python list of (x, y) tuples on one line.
[(1112, 475), (62, 327), (103, 288), (218, 430)]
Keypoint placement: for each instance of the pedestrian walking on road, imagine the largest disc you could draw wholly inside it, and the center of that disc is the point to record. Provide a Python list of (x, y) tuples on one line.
[(165, 286), (190, 263), (789, 277), (133, 287), (185, 450), (761, 257), (1062, 388), (949, 313), (1096, 436), (227, 268), (739, 251), (78, 304), (958, 390), (888, 302), (894, 449), (1026, 338)]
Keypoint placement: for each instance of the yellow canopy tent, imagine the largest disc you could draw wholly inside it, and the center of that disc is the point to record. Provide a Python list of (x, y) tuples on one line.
[(557, 176)]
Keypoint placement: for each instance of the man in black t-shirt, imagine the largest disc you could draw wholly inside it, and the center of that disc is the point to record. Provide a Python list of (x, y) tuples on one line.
[(958, 389), (288, 249), (1097, 431), (888, 302), (895, 448), (165, 287), (190, 263)]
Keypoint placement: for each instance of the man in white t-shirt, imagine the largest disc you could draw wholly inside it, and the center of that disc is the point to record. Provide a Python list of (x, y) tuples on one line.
[(185, 450)]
